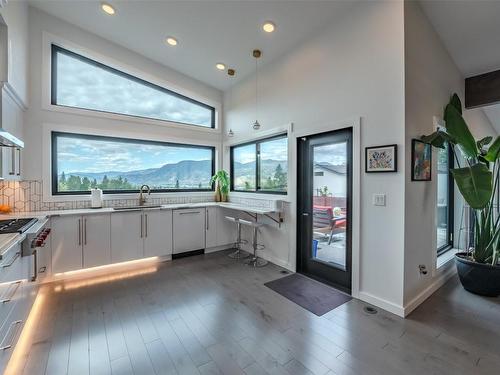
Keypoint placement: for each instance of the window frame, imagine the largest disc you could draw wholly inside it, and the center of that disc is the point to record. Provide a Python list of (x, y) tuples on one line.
[(54, 172), (451, 204), (257, 144), (55, 49)]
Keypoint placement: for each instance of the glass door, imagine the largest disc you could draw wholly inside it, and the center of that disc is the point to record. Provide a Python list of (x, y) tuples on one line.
[(324, 207)]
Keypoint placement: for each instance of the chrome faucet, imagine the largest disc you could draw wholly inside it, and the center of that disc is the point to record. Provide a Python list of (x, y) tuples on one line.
[(142, 199)]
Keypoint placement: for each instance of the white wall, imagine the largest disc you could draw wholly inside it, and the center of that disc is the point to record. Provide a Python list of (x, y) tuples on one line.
[(15, 15), (354, 67), (430, 78), (36, 150)]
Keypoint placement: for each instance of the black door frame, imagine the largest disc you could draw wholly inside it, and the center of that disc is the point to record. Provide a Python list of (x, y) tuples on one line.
[(328, 274)]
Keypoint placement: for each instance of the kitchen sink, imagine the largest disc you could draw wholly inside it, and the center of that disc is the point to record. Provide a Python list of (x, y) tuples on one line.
[(144, 207)]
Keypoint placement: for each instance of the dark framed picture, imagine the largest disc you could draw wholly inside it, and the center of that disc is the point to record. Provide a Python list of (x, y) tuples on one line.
[(381, 159), (421, 161)]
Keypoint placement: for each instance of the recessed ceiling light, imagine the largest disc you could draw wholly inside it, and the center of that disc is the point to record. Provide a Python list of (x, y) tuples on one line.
[(268, 27), (172, 41), (108, 9), (220, 66)]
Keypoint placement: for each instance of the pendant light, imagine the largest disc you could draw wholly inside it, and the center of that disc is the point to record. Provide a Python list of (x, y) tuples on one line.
[(256, 54), (230, 73)]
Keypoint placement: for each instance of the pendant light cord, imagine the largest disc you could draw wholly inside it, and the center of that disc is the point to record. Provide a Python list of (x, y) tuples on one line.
[(256, 89)]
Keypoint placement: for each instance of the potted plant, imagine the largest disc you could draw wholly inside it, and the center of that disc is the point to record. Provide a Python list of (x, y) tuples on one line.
[(221, 179), (477, 177)]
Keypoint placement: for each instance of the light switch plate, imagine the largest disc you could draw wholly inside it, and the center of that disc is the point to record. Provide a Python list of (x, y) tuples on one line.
[(379, 199)]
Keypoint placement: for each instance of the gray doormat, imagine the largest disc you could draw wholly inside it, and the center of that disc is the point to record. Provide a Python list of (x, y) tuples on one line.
[(312, 295)]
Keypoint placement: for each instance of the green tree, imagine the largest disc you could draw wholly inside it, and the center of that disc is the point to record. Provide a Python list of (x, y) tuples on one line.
[(62, 179), (177, 184), (104, 185), (85, 184), (280, 177), (74, 183)]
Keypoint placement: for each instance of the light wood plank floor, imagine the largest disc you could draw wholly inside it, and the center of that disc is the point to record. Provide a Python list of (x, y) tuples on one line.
[(211, 315)]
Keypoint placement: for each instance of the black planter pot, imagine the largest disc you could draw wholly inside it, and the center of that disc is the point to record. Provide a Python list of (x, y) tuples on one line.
[(478, 278)]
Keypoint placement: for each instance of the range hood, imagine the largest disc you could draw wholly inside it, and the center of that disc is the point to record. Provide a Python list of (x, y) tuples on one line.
[(9, 140)]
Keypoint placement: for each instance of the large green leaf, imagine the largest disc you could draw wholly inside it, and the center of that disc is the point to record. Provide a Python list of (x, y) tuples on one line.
[(438, 139), (457, 128), (455, 102), (494, 151), (483, 142), (475, 184)]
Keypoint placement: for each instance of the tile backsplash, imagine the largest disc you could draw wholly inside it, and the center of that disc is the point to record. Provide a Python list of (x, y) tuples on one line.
[(24, 196)]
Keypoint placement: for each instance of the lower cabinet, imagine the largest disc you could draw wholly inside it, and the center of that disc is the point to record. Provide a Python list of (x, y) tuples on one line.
[(126, 236), (157, 233), (80, 242), (189, 230), (211, 227), (140, 234)]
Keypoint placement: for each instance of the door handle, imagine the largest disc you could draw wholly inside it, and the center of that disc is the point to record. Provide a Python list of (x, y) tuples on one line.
[(85, 231), (12, 161), (14, 291), (189, 213), (17, 324), (19, 161), (305, 214), (79, 232), (18, 254)]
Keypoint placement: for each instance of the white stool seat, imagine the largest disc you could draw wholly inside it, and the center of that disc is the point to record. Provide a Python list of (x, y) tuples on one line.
[(238, 254)]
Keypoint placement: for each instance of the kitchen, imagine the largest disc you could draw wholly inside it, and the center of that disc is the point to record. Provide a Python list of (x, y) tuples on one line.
[(184, 189)]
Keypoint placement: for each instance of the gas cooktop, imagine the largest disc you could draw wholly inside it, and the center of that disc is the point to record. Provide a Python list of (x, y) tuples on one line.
[(16, 225)]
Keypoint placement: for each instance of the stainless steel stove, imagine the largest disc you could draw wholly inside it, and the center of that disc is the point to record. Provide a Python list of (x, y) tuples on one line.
[(16, 225)]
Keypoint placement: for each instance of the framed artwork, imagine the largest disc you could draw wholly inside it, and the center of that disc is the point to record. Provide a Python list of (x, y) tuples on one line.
[(421, 161), (380, 159)]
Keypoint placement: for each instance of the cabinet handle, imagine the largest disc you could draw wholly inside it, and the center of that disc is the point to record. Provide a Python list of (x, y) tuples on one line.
[(11, 337), (146, 220), (18, 254), (189, 213), (208, 225), (13, 161), (19, 161), (141, 227), (79, 231), (85, 231), (14, 291)]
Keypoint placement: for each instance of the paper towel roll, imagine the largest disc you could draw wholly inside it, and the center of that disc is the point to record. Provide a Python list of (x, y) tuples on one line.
[(96, 198)]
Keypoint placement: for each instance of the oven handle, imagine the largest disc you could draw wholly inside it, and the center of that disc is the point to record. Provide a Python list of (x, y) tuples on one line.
[(12, 261), (35, 263)]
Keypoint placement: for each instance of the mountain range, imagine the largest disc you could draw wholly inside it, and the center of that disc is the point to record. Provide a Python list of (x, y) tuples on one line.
[(188, 172)]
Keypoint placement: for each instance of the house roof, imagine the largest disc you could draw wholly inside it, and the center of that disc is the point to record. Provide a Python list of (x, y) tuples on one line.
[(338, 169)]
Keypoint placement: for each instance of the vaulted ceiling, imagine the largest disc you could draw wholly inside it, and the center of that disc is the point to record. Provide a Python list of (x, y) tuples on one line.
[(470, 31), (208, 31)]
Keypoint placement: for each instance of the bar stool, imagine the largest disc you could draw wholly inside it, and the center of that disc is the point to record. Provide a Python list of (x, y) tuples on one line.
[(255, 261), (238, 254)]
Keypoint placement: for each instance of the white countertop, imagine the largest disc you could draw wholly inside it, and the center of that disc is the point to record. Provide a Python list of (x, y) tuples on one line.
[(9, 239), (89, 211)]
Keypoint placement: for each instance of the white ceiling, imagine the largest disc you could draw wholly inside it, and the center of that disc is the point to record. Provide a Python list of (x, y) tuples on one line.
[(470, 31), (208, 31)]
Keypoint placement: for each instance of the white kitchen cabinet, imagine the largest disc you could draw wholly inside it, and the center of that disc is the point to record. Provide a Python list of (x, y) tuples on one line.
[(12, 121), (226, 230), (80, 241), (188, 230), (127, 231), (67, 251), (157, 232), (211, 227), (96, 240)]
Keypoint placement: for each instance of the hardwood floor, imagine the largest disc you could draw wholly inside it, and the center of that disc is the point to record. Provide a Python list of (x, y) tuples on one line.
[(211, 315)]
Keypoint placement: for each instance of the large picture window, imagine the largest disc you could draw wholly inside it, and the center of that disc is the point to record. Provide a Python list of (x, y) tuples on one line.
[(80, 82), (260, 166), (445, 196), (122, 165)]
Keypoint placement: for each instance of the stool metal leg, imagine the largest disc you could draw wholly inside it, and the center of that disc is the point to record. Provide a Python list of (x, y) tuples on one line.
[(255, 261), (239, 254)]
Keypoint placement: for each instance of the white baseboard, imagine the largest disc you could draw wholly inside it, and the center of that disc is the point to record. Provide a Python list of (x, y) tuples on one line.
[(382, 303), (439, 281)]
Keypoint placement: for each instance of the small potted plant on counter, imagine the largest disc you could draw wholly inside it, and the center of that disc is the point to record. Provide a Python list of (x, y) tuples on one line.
[(477, 177), (221, 180)]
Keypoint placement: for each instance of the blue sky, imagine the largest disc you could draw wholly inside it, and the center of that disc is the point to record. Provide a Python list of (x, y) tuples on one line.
[(80, 84), (83, 155)]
